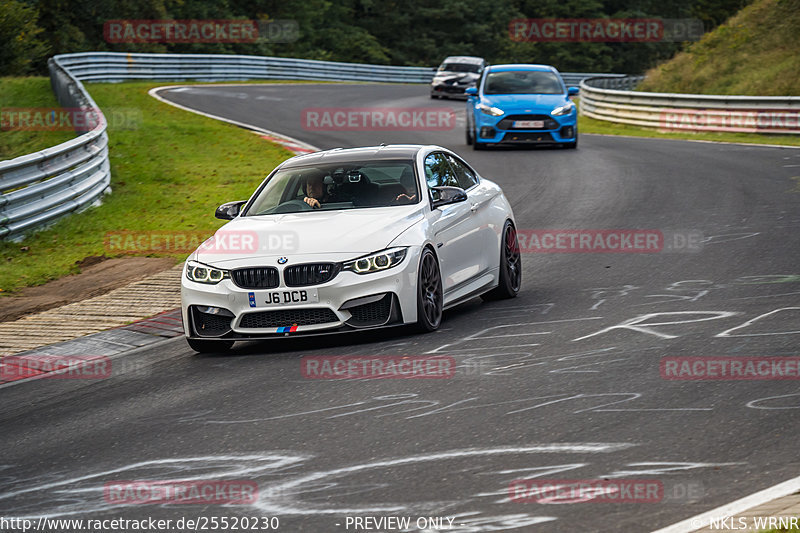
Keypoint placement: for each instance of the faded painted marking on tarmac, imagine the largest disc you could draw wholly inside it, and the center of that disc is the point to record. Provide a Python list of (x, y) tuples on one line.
[(793, 320), (290, 485)]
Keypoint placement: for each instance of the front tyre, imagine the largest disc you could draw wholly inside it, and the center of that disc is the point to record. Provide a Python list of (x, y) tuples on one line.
[(510, 267), (429, 293), (209, 346)]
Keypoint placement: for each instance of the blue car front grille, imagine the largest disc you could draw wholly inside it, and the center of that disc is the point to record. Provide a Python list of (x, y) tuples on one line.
[(508, 122), (527, 137)]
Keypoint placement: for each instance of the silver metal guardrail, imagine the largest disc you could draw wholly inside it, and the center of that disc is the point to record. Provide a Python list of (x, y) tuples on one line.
[(575, 78), (115, 66), (36, 189), (613, 100)]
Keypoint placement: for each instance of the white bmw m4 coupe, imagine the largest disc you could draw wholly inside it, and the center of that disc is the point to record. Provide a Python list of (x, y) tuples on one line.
[(351, 239)]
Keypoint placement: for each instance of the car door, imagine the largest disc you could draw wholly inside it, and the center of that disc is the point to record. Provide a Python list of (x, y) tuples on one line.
[(480, 201), (454, 228)]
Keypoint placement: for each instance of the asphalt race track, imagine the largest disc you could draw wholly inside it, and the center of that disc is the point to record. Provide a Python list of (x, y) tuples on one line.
[(546, 388)]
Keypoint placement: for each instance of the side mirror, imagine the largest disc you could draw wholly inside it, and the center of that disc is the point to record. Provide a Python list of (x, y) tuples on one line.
[(572, 91), (230, 210), (471, 91), (445, 195)]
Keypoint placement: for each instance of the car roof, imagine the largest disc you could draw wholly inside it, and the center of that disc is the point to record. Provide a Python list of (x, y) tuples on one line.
[(522, 66), (346, 155), (463, 59)]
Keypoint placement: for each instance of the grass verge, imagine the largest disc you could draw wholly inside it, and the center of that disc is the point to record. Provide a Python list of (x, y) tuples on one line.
[(32, 92), (167, 175)]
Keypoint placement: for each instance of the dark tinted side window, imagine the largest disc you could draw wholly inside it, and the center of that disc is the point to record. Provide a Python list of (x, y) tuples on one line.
[(466, 178)]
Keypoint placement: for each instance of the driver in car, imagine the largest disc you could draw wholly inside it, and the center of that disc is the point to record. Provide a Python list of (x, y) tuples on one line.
[(316, 191)]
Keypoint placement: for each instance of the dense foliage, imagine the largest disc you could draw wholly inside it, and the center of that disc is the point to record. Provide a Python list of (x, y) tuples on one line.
[(755, 53), (397, 32)]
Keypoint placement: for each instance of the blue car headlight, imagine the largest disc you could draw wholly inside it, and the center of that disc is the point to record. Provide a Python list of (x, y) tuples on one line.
[(565, 109), (205, 274), (377, 261), (488, 110)]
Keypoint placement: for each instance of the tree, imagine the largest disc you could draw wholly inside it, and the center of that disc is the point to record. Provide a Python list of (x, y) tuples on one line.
[(21, 49)]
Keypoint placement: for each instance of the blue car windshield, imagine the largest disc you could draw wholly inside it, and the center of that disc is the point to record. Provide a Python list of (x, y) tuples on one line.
[(522, 82)]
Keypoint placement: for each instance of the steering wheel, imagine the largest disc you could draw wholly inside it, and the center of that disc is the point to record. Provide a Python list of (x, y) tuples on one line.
[(292, 206)]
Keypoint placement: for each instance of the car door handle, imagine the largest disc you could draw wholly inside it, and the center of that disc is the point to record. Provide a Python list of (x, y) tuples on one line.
[(474, 207)]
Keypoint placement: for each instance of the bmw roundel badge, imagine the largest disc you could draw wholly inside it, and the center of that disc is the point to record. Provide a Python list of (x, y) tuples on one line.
[(283, 260)]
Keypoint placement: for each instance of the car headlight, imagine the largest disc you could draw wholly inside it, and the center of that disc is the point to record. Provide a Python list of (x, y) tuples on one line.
[(494, 111), (205, 274), (565, 109), (376, 262)]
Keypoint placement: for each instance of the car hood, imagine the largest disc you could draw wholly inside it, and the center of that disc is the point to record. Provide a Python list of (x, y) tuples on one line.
[(333, 233), (516, 103)]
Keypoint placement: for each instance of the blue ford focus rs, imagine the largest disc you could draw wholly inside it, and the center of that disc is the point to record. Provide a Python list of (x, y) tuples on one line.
[(521, 104)]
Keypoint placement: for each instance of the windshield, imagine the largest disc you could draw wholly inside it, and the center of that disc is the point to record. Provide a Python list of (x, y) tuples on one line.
[(460, 67), (522, 82), (353, 185)]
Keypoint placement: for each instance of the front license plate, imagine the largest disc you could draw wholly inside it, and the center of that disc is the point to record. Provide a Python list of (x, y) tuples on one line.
[(529, 124), (290, 297)]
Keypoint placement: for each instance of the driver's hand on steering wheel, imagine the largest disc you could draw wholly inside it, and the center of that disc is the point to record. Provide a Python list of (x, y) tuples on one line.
[(313, 202), (406, 198)]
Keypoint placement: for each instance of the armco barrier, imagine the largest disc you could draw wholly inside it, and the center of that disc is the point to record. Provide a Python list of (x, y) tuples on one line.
[(575, 78), (115, 66), (38, 188), (613, 100)]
